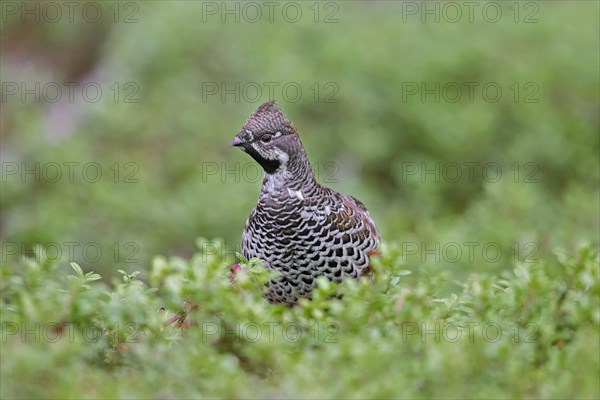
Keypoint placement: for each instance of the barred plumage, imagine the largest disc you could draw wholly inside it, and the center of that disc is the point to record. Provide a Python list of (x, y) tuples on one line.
[(300, 228)]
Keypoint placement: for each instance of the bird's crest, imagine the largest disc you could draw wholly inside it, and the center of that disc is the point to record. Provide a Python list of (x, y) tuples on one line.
[(268, 117)]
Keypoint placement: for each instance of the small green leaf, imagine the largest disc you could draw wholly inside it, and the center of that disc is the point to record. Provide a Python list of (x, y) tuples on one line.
[(241, 257), (77, 268), (93, 277)]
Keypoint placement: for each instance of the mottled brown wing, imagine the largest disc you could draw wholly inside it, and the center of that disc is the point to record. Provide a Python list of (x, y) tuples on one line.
[(353, 219)]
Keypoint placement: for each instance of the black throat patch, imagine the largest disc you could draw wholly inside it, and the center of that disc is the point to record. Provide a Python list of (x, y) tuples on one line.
[(270, 166)]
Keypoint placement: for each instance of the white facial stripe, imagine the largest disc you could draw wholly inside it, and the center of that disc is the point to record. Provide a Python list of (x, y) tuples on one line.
[(249, 136), (281, 155), (269, 154)]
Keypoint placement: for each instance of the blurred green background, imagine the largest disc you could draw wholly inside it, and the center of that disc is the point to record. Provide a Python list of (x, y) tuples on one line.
[(378, 108)]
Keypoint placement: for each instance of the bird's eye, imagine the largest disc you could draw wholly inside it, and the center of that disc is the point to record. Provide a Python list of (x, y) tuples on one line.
[(266, 138)]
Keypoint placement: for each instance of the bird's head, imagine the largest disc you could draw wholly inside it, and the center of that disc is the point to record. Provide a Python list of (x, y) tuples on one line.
[(268, 137)]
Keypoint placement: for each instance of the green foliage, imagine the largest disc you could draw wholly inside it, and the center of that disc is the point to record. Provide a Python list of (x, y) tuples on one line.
[(178, 327), (185, 330)]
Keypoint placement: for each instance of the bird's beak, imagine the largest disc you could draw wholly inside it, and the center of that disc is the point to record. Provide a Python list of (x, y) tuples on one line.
[(236, 142)]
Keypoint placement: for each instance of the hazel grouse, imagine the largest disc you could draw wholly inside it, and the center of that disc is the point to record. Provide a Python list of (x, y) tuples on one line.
[(300, 228)]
